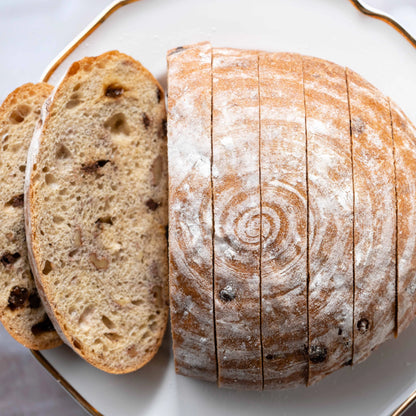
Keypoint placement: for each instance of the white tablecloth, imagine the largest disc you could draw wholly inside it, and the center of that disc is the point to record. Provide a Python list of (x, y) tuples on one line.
[(32, 32)]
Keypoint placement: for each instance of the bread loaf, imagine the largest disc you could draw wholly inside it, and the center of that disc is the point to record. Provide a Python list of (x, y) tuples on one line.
[(313, 188), (284, 221), (236, 199), (96, 211), (330, 202), (190, 211), (374, 217), (21, 311)]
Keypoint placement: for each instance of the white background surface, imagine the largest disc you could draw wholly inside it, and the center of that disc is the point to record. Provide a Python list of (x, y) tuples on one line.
[(32, 32)]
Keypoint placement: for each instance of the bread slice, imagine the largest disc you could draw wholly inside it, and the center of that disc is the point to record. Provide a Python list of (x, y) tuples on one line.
[(330, 196), (96, 211), (21, 310), (374, 217), (404, 139), (284, 241), (236, 196), (190, 211)]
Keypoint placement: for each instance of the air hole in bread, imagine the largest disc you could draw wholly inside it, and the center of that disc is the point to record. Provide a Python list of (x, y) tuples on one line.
[(76, 344), (5, 138), (117, 124), (158, 94), (72, 103), (147, 335), (63, 152), (19, 114), (5, 147), (86, 316), (100, 263), (138, 302), (76, 87), (114, 91), (112, 336), (47, 268), (105, 220), (108, 322), (57, 219), (50, 179)]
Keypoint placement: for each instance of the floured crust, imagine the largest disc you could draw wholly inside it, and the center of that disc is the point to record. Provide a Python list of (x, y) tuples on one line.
[(130, 289), (375, 217), (21, 310), (190, 211), (330, 193), (404, 138), (236, 193), (284, 205)]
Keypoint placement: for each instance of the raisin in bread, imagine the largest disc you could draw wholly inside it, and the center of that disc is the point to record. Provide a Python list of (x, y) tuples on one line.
[(96, 211), (21, 310)]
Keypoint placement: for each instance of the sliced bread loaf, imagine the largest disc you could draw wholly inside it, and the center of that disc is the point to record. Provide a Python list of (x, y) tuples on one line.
[(21, 310), (96, 211)]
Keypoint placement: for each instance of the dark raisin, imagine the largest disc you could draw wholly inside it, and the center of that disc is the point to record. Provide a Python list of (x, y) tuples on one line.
[(34, 301), (43, 326), (269, 357), (363, 325), (16, 201), (17, 298), (348, 363), (93, 166), (152, 205), (158, 95), (317, 354), (339, 331), (227, 294), (8, 258), (114, 91), (146, 120)]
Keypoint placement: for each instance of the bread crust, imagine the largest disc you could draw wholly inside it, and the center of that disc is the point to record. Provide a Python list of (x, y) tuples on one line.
[(284, 221), (404, 139), (236, 193), (17, 127), (33, 216), (330, 196), (190, 211), (374, 218)]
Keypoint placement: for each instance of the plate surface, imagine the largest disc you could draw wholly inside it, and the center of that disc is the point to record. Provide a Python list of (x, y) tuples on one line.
[(330, 29)]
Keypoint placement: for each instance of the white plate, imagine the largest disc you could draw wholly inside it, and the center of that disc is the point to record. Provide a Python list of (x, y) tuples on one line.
[(331, 29)]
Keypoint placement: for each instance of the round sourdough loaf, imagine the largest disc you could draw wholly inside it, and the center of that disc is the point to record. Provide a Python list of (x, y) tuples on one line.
[(312, 228), (21, 311), (96, 211)]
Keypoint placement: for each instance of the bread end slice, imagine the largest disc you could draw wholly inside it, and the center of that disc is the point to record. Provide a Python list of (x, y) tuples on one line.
[(21, 310)]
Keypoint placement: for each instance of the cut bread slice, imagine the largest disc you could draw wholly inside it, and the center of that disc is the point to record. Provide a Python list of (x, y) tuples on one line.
[(96, 211), (21, 310), (330, 196), (284, 217), (374, 217), (236, 196), (190, 211)]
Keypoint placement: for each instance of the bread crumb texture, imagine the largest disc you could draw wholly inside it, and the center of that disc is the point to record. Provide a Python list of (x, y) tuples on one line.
[(98, 205), (21, 310)]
